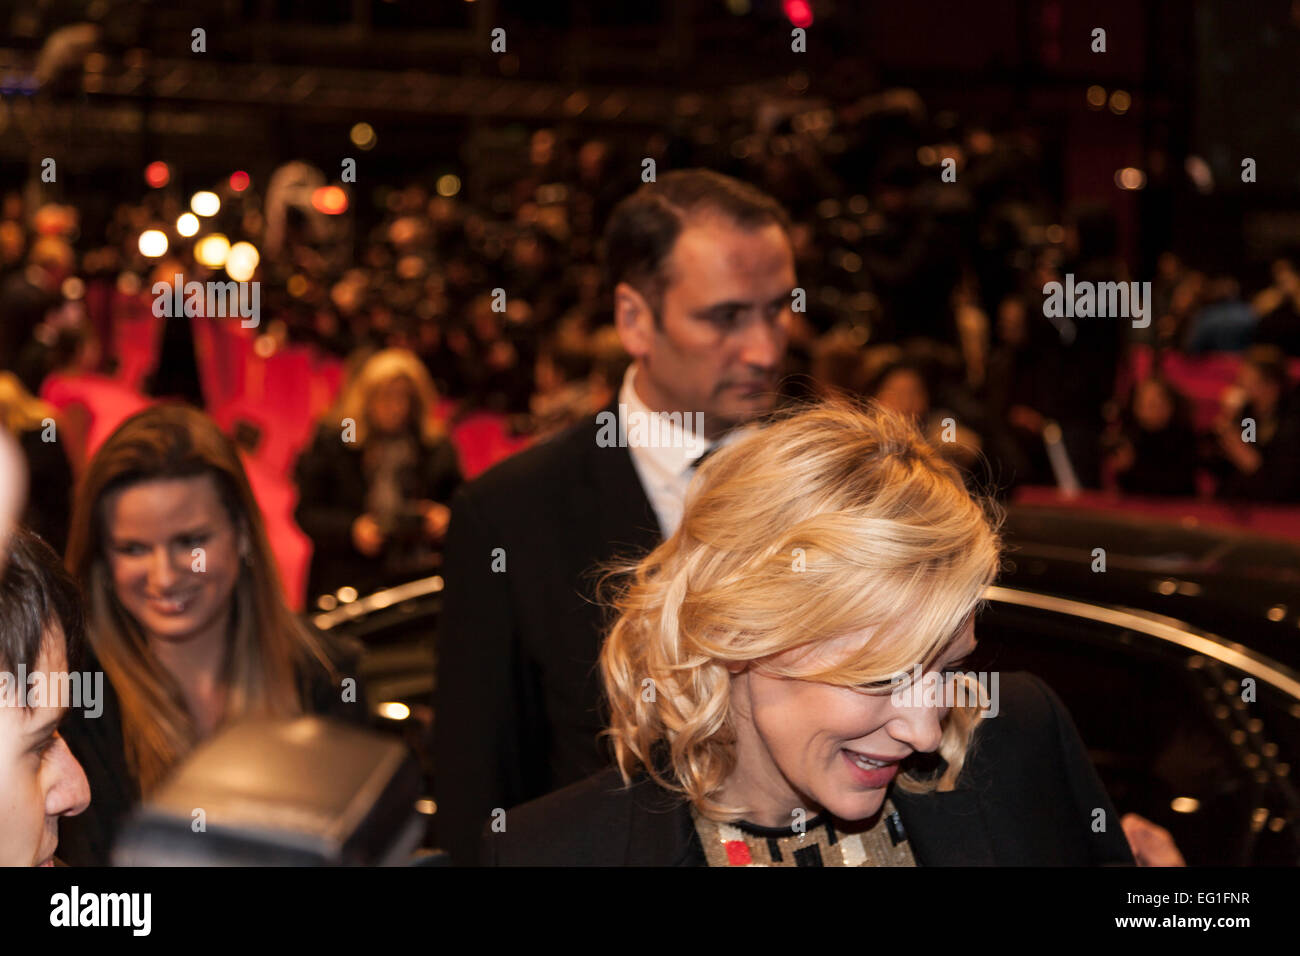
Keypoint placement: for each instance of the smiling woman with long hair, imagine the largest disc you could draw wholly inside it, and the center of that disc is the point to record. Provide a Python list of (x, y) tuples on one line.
[(778, 679), (185, 613)]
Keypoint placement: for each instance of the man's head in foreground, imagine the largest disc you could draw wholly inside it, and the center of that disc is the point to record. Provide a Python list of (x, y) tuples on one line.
[(702, 270), (40, 780)]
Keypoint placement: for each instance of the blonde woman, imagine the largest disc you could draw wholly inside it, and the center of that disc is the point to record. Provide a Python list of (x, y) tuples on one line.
[(776, 680), (373, 486), (185, 615)]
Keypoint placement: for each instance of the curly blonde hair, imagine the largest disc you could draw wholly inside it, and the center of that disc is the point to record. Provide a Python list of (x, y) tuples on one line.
[(833, 519)]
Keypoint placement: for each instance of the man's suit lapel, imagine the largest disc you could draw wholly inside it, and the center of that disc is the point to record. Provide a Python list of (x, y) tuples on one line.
[(945, 829), (625, 520)]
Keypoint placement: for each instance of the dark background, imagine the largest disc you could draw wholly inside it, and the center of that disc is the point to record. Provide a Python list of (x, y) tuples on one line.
[(286, 80)]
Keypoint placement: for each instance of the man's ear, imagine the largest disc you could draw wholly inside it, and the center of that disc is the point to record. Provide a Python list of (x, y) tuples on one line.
[(634, 320)]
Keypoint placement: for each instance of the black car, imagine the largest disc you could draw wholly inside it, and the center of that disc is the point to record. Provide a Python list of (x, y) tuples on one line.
[(1177, 662)]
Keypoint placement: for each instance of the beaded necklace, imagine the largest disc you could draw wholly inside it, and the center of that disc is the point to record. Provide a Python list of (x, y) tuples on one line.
[(819, 844)]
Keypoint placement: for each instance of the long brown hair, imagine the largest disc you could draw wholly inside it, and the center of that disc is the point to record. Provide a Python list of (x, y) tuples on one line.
[(267, 642)]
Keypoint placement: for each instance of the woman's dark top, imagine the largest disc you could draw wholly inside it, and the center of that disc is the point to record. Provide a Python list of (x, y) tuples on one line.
[(97, 743), (340, 481), (1027, 796)]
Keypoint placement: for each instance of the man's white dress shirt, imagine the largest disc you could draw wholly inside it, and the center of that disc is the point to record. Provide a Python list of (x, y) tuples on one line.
[(667, 464)]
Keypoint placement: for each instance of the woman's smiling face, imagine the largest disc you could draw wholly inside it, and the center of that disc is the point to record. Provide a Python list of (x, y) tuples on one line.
[(174, 555), (814, 746)]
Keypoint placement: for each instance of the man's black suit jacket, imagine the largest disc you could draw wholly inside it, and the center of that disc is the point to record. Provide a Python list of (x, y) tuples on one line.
[(517, 706), (1027, 796)]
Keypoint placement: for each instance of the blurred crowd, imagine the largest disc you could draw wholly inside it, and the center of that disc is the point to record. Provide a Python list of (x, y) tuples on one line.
[(923, 293)]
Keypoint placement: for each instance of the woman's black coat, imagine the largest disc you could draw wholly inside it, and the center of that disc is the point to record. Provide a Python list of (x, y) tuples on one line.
[(332, 494), (1027, 796)]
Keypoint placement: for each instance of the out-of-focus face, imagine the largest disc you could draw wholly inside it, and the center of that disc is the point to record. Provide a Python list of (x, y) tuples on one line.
[(803, 744), (389, 408), (904, 391), (40, 780), (174, 556), (726, 319), (1152, 408)]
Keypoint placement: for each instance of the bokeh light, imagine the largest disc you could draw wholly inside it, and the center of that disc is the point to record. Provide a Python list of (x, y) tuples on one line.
[(187, 224), (363, 136), (153, 243), (1130, 178), (212, 250), (157, 175), (331, 200), (241, 261), (205, 203), (393, 710), (798, 12)]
